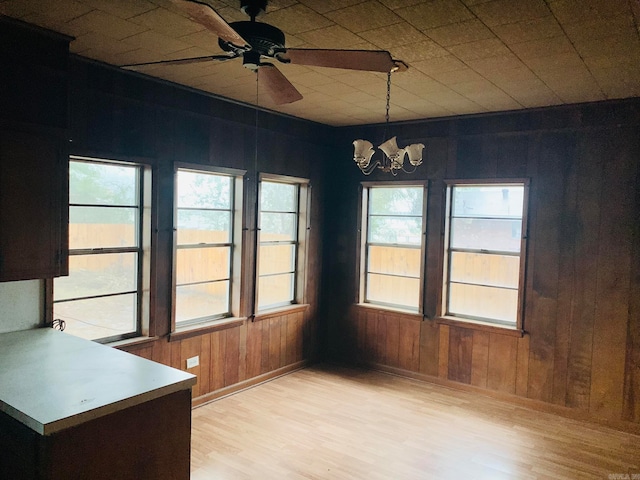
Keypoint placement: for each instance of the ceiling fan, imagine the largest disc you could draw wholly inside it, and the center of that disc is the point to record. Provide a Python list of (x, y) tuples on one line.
[(254, 41)]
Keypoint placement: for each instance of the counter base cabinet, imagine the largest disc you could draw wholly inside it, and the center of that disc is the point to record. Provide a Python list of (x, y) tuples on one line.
[(149, 441)]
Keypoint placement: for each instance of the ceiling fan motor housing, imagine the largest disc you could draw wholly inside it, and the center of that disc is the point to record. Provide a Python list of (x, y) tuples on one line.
[(264, 39)]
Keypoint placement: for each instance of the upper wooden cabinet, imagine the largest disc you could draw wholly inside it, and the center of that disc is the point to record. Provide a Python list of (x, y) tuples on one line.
[(33, 152)]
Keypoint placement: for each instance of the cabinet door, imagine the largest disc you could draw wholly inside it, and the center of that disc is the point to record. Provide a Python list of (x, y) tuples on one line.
[(33, 204)]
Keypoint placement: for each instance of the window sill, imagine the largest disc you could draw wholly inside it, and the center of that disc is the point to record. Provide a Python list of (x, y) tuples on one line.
[(392, 311), (279, 311), (205, 327), (480, 326), (128, 343)]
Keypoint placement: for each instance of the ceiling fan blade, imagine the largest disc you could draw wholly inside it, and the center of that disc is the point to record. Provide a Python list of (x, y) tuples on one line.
[(368, 60), (181, 61), (280, 89), (206, 16)]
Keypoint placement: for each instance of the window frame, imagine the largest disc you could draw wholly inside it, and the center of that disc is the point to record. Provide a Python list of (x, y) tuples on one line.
[(443, 313), (142, 249), (235, 244), (362, 253), (303, 207)]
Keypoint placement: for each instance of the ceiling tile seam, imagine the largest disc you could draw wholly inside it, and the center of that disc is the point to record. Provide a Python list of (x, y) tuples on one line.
[(634, 5), (331, 11), (465, 63), (604, 94), (81, 15), (510, 50)]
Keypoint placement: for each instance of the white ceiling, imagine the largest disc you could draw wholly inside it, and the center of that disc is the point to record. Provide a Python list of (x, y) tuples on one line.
[(464, 56)]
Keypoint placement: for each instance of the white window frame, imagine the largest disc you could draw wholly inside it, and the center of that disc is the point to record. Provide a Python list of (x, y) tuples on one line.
[(142, 249), (448, 250), (303, 187), (235, 244), (363, 253)]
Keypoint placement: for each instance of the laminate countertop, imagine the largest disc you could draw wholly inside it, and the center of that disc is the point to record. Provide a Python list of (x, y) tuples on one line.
[(51, 381)]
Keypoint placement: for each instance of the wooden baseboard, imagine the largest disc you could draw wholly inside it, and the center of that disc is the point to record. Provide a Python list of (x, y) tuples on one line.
[(571, 413), (245, 384)]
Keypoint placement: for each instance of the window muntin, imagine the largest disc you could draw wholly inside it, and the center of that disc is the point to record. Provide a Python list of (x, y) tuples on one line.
[(204, 245), (278, 244), (101, 297), (393, 246), (483, 252)]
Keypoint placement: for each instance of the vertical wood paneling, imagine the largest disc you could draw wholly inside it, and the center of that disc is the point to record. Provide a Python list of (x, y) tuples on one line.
[(429, 347), (409, 341), (460, 351), (204, 377), (587, 236), (480, 359), (381, 340), (370, 336), (218, 344), (614, 259), (232, 356), (392, 345), (503, 352), (522, 367), (190, 347), (254, 348), (443, 349)]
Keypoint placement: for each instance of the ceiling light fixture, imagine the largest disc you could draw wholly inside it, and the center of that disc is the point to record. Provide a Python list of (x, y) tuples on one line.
[(393, 159)]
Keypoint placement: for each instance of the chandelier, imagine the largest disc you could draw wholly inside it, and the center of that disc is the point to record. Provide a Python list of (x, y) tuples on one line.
[(393, 159)]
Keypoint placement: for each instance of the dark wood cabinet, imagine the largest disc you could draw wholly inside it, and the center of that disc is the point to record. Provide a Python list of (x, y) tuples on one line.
[(33, 203), (33, 152)]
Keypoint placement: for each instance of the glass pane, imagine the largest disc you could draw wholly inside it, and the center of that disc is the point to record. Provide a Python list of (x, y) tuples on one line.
[(483, 302), (277, 227), (203, 300), (203, 226), (395, 261), (98, 317), (98, 227), (275, 290), (395, 201), (202, 264), (203, 190), (399, 291), (276, 259), (486, 234), (488, 201), (396, 230), (102, 184), (485, 269), (278, 197), (99, 274)]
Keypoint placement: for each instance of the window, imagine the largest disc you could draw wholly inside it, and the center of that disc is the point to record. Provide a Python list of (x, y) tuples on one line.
[(483, 278), (281, 239), (392, 251), (207, 250), (102, 297)]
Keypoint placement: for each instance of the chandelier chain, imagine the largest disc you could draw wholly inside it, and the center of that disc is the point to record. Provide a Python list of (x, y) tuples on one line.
[(386, 117)]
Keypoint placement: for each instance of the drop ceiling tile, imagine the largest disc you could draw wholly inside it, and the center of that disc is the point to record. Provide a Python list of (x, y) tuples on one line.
[(501, 12), (18, 8), (335, 89), (535, 29), (124, 9), (435, 13), (64, 12), (204, 39), (554, 62), (156, 42), (393, 36), (531, 98), (396, 4), (364, 16), (491, 47), (572, 11), (324, 6), (601, 27), (99, 42), (454, 77), (333, 36), (496, 65), (512, 76), (446, 63), (296, 19), (457, 33), (109, 25), (167, 23), (136, 55), (312, 79), (418, 51), (542, 48), (614, 46)]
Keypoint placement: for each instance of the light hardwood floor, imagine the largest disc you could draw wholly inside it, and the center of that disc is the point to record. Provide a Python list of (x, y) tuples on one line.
[(336, 423)]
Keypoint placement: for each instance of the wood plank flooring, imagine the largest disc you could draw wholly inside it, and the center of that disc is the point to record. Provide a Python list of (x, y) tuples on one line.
[(331, 422)]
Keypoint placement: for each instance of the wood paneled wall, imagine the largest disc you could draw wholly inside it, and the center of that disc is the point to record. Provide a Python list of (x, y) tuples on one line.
[(121, 116), (581, 349)]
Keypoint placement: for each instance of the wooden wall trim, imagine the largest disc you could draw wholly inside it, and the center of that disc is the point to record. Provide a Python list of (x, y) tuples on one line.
[(532, 404), (245, 384)]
